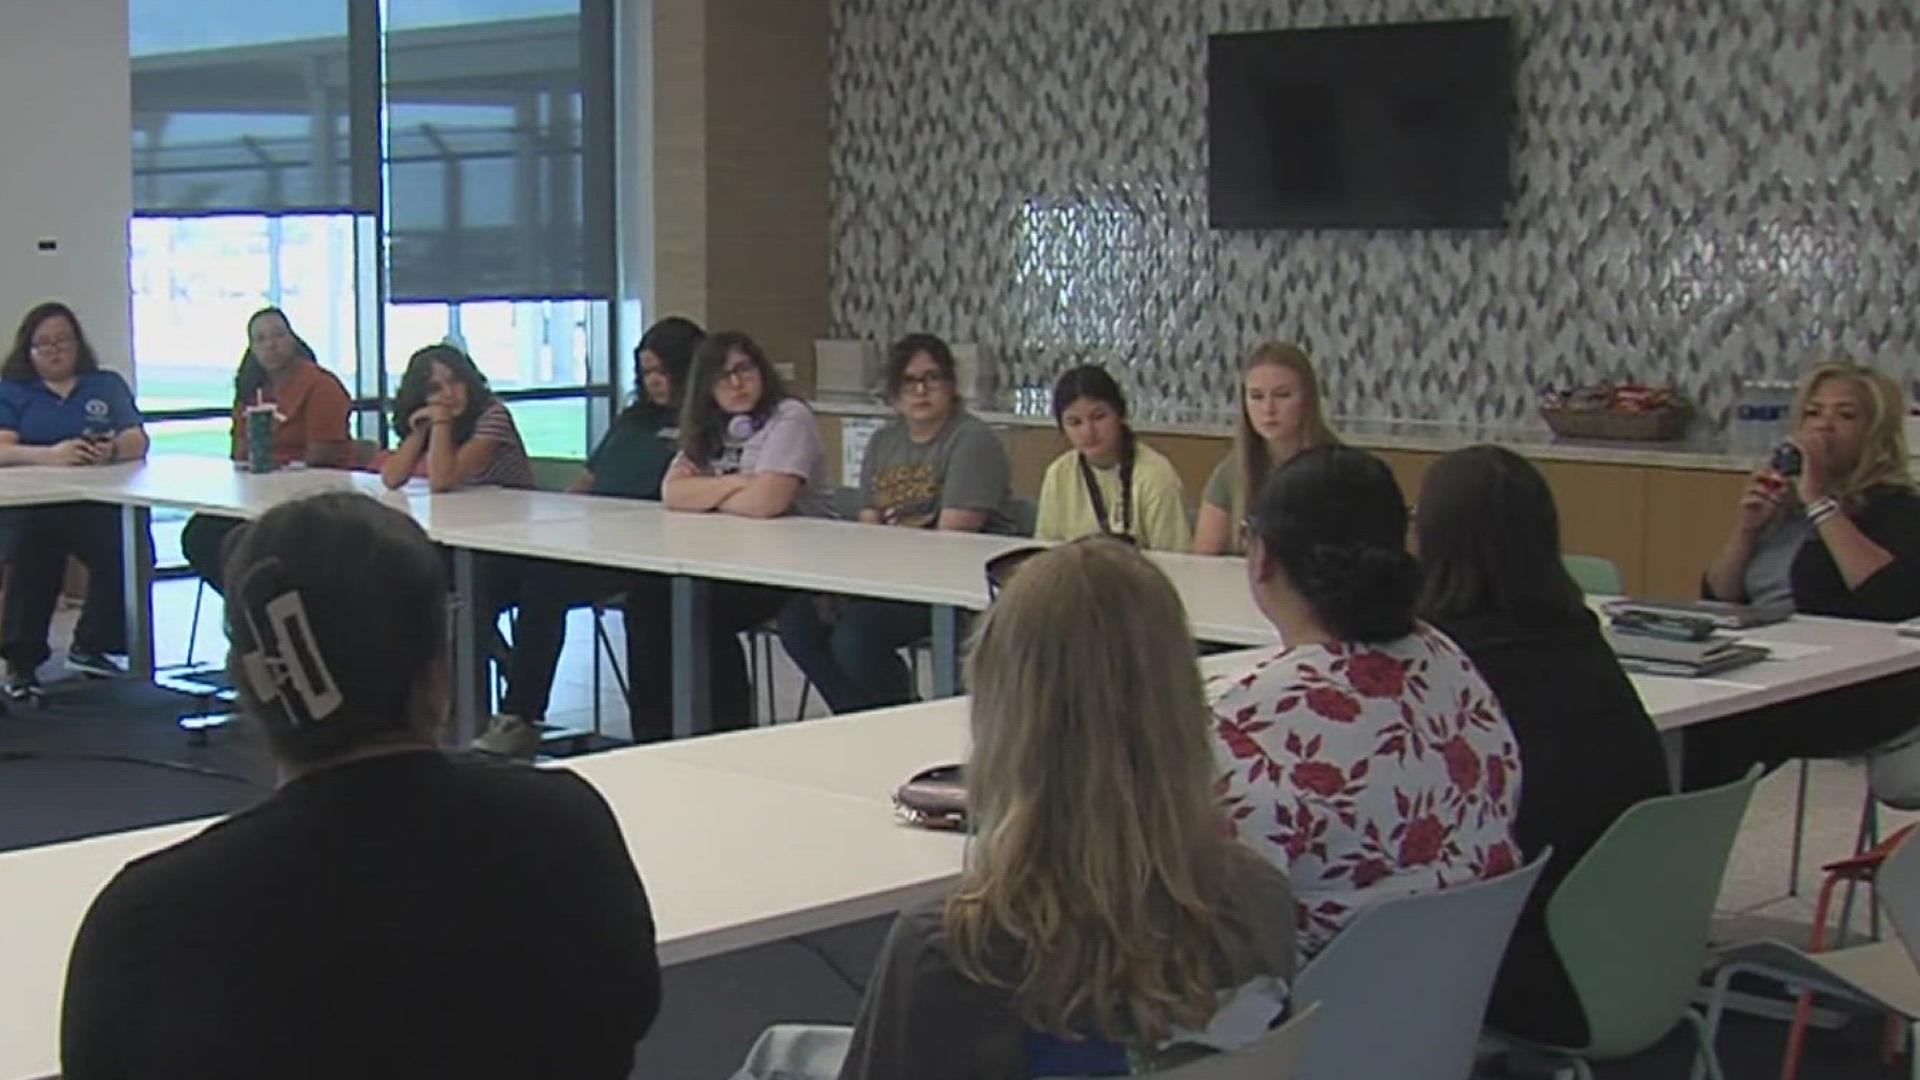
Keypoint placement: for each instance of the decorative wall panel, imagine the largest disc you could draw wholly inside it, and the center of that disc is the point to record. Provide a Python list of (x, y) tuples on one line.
[(1705, 190)]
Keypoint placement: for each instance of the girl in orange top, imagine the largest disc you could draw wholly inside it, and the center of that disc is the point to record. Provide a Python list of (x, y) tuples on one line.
[(310, 422)]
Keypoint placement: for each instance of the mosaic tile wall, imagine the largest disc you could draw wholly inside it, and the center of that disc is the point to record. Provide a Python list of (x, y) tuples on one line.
[(1705, 189)]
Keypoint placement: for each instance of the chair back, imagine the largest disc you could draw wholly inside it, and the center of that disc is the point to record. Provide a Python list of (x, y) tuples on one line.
[(1595, 576), (1402, 991), (553, 473), (1893, 771), (1898, 889), (848, 502), (1630, 919), (1025, 514)]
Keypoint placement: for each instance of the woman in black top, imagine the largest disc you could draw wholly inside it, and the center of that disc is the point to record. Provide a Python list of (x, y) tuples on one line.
[(356, 923), (1489, 540), (1840, 537)]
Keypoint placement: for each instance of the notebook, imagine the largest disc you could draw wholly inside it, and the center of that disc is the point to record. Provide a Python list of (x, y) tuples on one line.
[(1720, 613)]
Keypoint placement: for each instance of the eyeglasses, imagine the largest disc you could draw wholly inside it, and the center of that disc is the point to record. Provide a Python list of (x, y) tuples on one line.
[(923, 382), (739, 373), (48, 345)]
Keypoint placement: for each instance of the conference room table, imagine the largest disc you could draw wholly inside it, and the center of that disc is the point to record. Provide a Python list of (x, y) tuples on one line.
[(944, 570), (750, 837)]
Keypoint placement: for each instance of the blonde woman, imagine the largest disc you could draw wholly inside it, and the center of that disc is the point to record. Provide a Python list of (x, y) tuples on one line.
[(1103, 912), (1841, 538), (1279, 417)]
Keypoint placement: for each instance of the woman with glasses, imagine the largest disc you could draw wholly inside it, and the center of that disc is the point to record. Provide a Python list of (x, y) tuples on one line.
[(629, 463), (746, 448), (310, 407), (58, 407), (935, 466), (1367, 758), (1108, 481), (1279, 417), (1104, 925)]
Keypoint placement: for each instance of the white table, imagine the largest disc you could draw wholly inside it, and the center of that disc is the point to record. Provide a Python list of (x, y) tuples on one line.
[(750, 837)]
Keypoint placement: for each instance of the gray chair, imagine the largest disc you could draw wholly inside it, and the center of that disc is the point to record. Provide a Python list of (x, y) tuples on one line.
[(1025, 513), (1402, 991), (1882, 976)]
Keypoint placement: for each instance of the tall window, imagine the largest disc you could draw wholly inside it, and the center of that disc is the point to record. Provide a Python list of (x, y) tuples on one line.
[(428, 168)]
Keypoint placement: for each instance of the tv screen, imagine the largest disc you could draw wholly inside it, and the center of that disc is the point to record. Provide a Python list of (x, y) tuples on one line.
[(1403, 125)]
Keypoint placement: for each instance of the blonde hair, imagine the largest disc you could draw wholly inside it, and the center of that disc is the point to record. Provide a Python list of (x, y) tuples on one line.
[(1098, 850), (1883, 449), (1249, 449)]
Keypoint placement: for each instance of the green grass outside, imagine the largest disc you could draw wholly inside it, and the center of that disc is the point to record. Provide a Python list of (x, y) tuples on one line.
[(554, 429)]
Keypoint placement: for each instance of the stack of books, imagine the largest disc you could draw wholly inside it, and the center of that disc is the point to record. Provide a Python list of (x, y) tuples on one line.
[(1660, 655)]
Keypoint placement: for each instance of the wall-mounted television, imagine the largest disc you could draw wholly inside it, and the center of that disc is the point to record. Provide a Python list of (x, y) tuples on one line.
[(1398, 125)]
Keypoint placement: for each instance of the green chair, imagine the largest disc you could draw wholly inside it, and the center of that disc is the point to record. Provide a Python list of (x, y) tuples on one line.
[(1595, 576), (555, 473), (1630, 923)]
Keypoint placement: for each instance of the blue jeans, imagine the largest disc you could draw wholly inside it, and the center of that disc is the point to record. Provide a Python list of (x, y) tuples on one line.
[(852, 654)]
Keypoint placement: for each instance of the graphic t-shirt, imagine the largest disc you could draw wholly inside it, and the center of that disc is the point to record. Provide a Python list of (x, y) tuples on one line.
[(964, 467)]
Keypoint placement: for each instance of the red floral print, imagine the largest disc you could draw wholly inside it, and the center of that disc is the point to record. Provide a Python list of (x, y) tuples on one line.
[(1333, 704), (1375, 674), (1463, 765), (1366, 773)]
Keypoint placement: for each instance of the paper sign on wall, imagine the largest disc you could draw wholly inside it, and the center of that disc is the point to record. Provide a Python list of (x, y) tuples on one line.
[(855, 433)]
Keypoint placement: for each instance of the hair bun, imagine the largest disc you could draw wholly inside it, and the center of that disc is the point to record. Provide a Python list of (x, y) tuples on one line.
[(1361, 591)]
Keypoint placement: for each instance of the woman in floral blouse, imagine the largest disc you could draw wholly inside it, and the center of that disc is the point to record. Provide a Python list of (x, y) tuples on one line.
[(1367, 758)]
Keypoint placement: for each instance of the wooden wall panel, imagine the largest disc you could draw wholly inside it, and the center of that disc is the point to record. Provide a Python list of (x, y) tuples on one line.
[(1603, 511), (1689, 513)]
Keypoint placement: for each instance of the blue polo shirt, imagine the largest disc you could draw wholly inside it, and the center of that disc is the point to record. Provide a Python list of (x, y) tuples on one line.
[(100, 402)]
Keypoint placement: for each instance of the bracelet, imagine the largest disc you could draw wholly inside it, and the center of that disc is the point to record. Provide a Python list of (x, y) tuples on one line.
[(1822, 509)]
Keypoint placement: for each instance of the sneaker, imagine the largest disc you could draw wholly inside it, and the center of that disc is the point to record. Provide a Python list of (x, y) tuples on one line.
[(509, 737), (21, 682), (97, 664)]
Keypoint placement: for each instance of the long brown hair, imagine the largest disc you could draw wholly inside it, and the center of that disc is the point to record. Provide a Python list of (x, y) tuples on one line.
[(1883, 450), (1250, 450), (1098, 849), (703, 424)]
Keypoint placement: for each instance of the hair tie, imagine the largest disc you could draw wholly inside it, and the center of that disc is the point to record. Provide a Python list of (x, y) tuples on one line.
[(285, 667)]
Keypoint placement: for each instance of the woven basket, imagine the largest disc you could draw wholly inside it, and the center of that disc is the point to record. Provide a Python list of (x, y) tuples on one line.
[(1659, 425)]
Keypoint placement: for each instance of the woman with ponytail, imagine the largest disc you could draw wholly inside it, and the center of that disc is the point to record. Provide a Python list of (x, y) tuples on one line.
[(355, 923), (1367, 758), (1109, 481)]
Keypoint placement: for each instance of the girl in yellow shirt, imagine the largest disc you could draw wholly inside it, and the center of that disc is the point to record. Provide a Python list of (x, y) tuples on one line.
[(1109, 482)]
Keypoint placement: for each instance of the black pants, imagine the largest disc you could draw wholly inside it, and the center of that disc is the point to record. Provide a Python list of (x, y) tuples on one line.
[(205, 542), (731, 608), (38, 540), (546, 592), (1836, 723), (1533, 998)]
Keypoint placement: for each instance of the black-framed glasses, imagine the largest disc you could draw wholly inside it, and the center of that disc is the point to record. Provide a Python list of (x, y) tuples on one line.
[(737, 373), (925, 382)]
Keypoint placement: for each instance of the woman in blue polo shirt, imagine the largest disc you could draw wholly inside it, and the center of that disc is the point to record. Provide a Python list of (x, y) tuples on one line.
[(58, 408)]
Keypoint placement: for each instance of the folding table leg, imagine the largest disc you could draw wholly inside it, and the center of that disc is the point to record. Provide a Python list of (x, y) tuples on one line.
[(946, 650), (692, 689), (136, 577), (1675, 747), (470, 691)]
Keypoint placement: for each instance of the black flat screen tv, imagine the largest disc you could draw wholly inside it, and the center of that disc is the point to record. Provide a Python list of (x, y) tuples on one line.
[(1394, 126)]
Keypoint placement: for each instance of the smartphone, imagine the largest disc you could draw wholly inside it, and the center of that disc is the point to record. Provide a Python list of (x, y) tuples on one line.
[(1671, 627)]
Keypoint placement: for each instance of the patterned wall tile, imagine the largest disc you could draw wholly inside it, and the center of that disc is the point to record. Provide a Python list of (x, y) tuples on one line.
[(1705, 190)]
